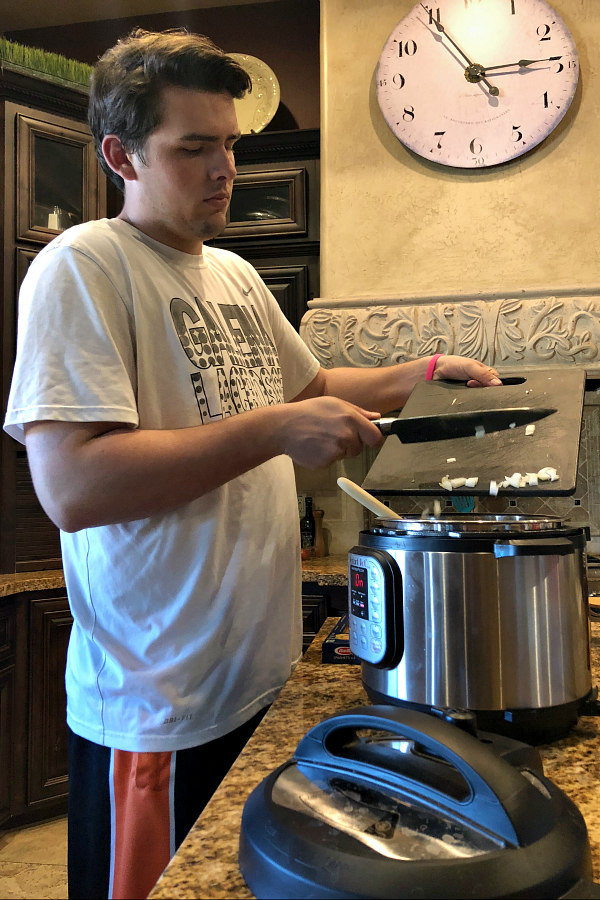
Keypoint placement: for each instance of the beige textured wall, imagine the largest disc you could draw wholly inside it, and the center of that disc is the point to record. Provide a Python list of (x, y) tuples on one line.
[(395, 225)]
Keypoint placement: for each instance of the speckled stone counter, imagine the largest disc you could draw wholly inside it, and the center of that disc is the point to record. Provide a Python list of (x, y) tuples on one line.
[(326, 570), (206, 864), (30, 581)]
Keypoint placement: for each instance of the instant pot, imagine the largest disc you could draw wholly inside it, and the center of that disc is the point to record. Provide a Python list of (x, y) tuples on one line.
[(477, 612)]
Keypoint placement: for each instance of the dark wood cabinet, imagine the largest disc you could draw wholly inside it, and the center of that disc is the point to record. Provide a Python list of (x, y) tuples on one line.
[(318, 602), (7, 706), (50, 623), (34, 633), (273, 220), (50, 180)]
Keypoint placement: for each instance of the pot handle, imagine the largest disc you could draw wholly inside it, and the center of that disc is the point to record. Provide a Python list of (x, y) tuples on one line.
[(498, 797), (558, 546)]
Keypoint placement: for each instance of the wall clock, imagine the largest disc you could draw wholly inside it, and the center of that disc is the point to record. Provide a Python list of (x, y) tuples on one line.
[(471, 83)]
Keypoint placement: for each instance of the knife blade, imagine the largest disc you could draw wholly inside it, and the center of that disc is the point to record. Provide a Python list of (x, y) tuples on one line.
[(419, 429)]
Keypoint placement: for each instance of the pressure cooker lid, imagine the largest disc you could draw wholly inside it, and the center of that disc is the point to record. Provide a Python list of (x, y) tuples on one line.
[(391, 802), (465, 523)]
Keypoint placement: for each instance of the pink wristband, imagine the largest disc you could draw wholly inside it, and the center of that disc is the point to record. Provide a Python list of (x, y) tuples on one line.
[(431, 366)]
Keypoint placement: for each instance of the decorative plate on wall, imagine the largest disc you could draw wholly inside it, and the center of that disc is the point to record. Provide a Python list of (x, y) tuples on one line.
[(256, 109)]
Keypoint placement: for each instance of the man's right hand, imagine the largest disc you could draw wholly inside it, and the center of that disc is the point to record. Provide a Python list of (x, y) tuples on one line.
[(321, 430)]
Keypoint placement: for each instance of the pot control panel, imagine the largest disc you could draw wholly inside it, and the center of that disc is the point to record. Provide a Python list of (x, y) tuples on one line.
[(375, 607)]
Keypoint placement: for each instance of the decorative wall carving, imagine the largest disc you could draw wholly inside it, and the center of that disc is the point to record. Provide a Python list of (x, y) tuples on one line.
[(532, 329)]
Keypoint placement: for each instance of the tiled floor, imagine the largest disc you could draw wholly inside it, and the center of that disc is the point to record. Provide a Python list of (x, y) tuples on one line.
[(33, 862)]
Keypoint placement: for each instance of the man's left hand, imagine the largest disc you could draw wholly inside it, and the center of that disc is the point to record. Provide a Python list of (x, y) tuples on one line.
[(461, 368)]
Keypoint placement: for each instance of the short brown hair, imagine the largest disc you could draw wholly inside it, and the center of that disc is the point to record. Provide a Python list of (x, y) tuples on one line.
[(127, 81)]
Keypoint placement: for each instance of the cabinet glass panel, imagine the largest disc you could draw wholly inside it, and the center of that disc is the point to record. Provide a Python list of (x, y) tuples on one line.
[(268, 204), (57, 183), (257, 204)]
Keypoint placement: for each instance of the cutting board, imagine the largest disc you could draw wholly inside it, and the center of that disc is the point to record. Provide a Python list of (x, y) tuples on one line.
[(418, 468)]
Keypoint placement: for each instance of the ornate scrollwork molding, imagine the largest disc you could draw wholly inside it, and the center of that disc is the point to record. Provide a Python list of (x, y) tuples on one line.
[(532, 329)]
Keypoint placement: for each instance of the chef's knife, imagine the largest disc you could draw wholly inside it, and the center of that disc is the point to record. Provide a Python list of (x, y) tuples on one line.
[(417, 429)]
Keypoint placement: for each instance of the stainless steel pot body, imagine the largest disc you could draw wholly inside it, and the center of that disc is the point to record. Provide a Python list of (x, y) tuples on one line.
[(493, 619)]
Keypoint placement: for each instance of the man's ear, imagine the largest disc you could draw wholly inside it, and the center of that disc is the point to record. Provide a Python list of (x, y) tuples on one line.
[(117, 157)]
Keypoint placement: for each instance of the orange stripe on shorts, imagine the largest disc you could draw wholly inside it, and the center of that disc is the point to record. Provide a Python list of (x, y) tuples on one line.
[(142, 821)]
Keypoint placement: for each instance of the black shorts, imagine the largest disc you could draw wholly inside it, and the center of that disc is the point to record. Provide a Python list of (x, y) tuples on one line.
[(129, 812)]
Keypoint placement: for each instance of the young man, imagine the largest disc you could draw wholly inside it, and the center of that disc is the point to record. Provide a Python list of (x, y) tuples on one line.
[(162, 397)]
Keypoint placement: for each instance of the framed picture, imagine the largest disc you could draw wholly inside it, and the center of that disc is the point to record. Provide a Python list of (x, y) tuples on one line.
[(268, 204)]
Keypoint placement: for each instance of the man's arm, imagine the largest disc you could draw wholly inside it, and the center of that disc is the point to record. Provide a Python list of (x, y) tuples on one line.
[(388, 387), (101, 473)]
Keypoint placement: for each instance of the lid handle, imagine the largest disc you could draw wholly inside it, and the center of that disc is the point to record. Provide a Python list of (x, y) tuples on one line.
[(498, 798)]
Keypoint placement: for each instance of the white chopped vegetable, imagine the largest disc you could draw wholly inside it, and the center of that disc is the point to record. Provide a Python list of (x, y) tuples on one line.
[(513, 480), (548, 473), (451, 459), (529, 429), (437, 508), (479, 431), (516, 480), (513, 425)]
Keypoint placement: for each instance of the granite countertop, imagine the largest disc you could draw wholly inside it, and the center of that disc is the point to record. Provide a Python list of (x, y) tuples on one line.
[(326, 570), (18, 582), (206, 863)]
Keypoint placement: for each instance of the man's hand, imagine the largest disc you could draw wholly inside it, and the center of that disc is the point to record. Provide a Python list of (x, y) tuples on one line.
[(461, 368), (322, 430)]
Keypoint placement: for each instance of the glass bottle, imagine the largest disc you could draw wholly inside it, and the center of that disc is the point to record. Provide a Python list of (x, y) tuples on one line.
[(307, 530)]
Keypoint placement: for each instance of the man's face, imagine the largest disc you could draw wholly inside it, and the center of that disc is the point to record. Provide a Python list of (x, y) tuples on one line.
[(181, 194)]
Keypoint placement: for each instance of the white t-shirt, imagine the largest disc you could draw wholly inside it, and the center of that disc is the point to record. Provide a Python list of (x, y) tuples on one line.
[(188, 623)]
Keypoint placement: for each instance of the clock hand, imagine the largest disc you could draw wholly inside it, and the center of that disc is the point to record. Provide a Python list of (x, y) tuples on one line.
[(523, 63), (474, 72)]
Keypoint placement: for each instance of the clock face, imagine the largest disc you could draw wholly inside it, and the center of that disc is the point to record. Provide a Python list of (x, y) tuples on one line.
[(473, 83)]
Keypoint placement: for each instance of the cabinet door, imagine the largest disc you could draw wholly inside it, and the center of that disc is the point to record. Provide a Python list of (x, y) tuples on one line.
[(6, 744), (7, 694), (57, 176), (272, 203), (50, 626), (289, 284)]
